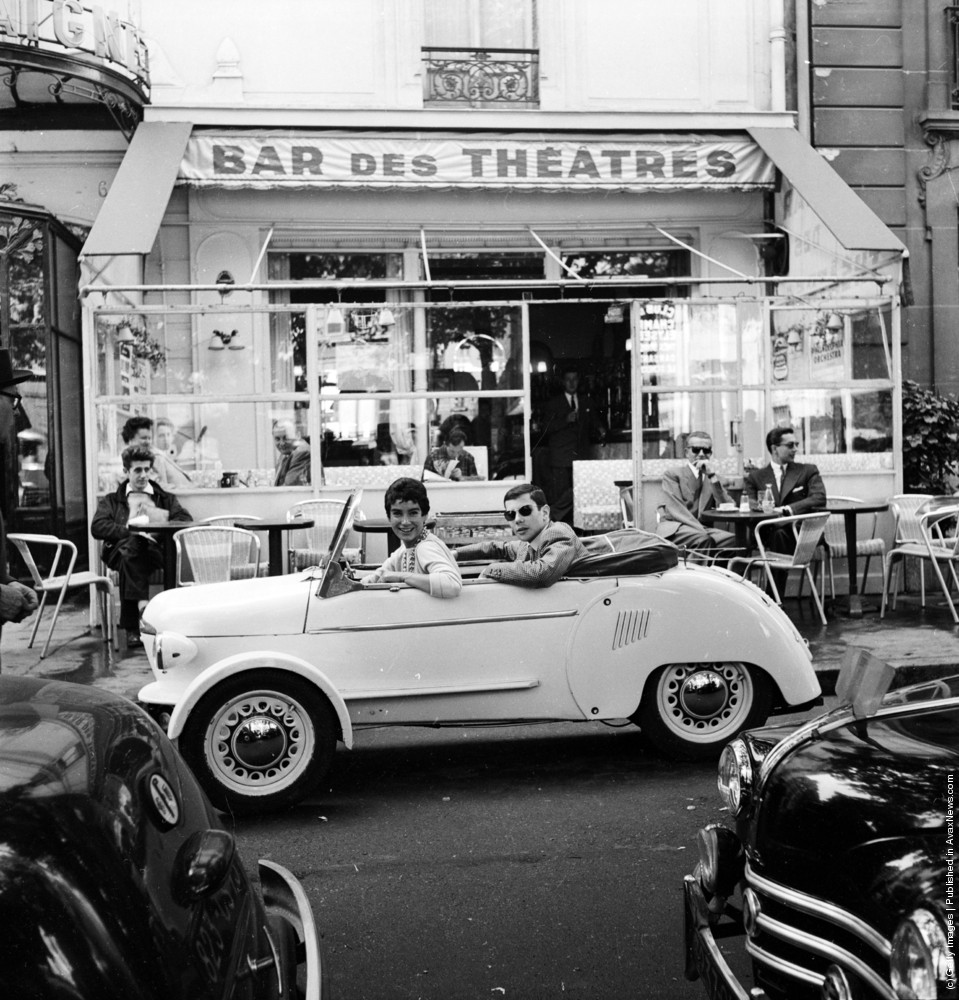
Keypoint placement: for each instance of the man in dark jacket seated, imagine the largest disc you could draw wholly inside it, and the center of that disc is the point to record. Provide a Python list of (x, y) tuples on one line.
[(135, 556)]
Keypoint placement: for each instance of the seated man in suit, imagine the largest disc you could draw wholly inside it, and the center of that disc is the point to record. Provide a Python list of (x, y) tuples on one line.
[(691, 489), (293, 465), (133, 555), (797, 488), (542, 551)]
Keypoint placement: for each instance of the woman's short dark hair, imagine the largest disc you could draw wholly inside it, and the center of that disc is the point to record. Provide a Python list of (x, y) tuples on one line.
[(136, 453), (411, 490), (457, 436), (522, 489), (133, 425)]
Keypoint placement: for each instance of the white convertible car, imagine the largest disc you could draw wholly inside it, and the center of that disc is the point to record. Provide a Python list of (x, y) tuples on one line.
[(257, 680)]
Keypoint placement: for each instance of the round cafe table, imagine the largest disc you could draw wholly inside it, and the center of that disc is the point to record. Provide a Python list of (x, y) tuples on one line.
[(850, 510), (743, 523)]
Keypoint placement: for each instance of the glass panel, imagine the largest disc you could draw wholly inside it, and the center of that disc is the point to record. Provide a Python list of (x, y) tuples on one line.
[(214, 353), (687, 343), (831, 345), (669, 417), (839, 421), (365, 432), (624, 263), (197, 443)]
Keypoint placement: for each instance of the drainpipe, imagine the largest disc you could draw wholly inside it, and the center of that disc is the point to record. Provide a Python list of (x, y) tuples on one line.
[(777, 56)]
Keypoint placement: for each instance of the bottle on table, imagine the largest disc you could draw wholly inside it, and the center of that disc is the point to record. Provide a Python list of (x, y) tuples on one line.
[(769, 502)]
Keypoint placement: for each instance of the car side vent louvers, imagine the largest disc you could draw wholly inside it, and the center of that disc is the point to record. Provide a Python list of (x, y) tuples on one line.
[(631, 626)]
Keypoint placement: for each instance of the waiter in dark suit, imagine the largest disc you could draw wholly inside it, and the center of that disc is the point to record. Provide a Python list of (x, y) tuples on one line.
[(797, 487), (570, 423)]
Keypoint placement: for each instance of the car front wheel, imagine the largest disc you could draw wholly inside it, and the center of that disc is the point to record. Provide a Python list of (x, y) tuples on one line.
[(260, 741), (691, 710)]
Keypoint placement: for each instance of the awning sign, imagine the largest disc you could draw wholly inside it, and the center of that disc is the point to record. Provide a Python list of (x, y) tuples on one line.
[(302, 160)]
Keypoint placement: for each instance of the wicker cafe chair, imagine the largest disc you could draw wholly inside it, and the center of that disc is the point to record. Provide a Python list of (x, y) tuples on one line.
[(309, 545), (835, 538), (808, 530), (233, 521), (215, 554), (938, 543), (53, 583)]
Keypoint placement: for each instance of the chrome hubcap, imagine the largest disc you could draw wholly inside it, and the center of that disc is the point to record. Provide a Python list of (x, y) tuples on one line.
[(703, 694), (259, 740)]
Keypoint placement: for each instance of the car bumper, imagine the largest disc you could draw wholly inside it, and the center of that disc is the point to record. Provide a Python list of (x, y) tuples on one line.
[(704, 960), (284, 896)]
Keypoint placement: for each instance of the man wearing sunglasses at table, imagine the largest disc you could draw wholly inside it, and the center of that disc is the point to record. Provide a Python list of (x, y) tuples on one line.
[(689, 490), (542, 551), (797, 487)]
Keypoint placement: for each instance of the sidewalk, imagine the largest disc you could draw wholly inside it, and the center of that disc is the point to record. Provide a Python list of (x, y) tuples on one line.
[(918, 643)]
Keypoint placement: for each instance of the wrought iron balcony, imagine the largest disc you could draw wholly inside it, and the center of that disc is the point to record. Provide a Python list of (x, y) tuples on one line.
[(480, 78)]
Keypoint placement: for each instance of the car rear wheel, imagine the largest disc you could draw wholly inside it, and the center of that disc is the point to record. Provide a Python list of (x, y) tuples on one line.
[(691, 710), (260, 741)]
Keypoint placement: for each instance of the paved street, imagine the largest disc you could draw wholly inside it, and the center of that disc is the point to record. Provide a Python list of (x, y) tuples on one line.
[(532, 862)]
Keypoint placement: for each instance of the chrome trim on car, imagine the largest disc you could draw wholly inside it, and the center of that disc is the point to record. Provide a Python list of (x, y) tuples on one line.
[(781, 965), (826, 949), (428, 691), (820, 908), (444, 623)]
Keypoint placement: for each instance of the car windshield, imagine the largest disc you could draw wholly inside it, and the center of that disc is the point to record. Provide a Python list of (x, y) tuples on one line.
[(338, 541)]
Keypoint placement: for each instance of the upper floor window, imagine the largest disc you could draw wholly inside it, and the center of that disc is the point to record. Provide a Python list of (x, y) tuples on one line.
[(481, 53)]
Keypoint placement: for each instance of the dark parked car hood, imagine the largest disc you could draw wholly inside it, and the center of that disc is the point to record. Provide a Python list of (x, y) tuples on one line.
[(848, 813)]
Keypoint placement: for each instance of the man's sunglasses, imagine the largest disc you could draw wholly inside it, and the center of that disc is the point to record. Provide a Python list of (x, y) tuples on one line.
[(525, 510), (699, 450)]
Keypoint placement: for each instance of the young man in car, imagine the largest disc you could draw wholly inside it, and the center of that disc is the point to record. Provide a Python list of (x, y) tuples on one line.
[(134, 555), (542, 551)]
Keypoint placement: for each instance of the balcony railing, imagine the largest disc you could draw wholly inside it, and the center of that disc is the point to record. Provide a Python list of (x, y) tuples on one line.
[(481, 77)]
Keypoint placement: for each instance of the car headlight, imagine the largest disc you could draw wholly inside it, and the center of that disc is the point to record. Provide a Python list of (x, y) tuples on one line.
[(722, 861), (920, 958), (735, 777)]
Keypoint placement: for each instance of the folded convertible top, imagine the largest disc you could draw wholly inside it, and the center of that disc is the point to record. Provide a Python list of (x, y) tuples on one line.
[(627, 552)]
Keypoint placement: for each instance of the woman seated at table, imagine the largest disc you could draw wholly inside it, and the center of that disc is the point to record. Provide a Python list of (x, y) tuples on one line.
[(422, 560)]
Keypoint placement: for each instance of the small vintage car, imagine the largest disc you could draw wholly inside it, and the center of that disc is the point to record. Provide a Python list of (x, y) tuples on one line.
[(835, 873), (117, 881), (257, 680)]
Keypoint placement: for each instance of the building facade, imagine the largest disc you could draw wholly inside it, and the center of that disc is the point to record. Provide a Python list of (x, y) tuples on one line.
[(364, 223)]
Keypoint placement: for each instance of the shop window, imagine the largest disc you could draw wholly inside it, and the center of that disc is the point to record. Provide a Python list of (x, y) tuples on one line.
[(480, 53), (41, 443)]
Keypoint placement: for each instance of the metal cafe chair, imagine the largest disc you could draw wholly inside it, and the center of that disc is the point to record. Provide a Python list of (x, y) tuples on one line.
[(938, 544), (60, 583), (808, 531), (215, 554), (835, 548), (906, 508), (309, 545)]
